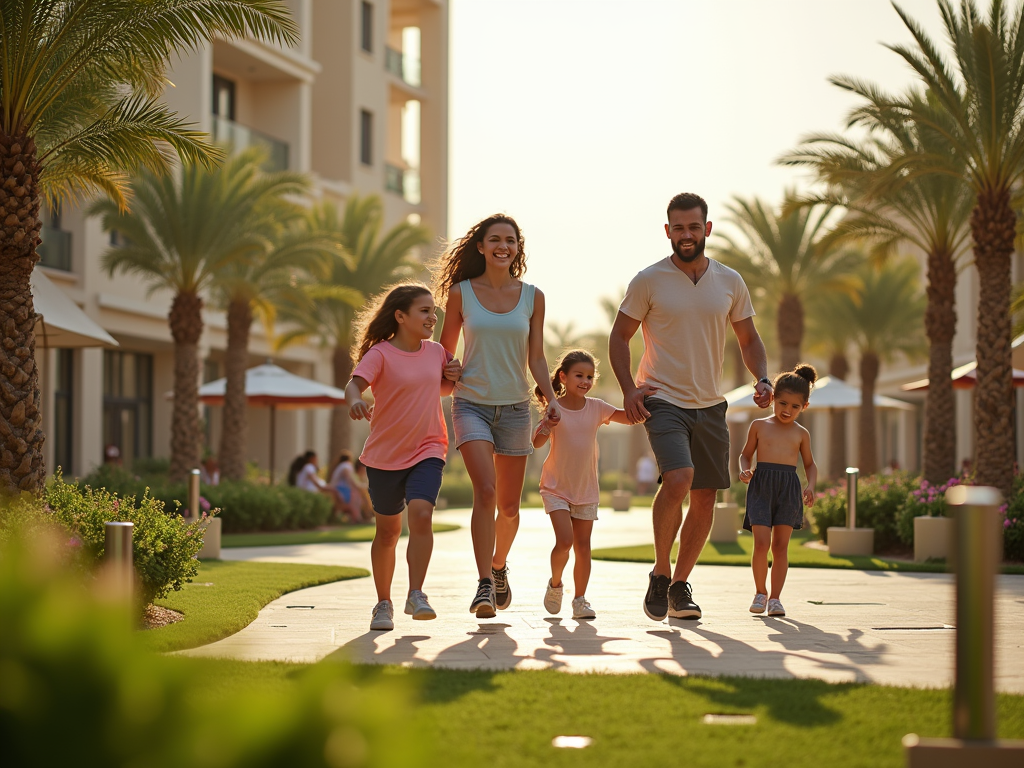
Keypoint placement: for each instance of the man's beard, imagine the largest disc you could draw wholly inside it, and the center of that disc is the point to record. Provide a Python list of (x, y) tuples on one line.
[(698, 249)]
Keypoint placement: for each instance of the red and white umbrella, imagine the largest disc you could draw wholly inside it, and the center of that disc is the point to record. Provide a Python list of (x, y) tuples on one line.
[(964, 377)]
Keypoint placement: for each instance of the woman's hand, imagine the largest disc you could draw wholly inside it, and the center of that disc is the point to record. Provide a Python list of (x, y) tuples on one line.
[(453, 369), (360, 410)]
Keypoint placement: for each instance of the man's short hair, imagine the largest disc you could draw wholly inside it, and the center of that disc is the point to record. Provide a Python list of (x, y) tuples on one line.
[(687, 201)]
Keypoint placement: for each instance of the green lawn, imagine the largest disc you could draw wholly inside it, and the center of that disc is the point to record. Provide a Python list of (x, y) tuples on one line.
[(226, 596), (285, 538), (799, 556), (510, 718)]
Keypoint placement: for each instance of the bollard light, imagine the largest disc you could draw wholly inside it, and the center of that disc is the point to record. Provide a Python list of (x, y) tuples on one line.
[(851, 496), (193, 493), (117, 551)]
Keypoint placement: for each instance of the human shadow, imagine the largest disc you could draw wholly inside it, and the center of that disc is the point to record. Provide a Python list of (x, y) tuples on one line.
[(489, 647), (365, 650), (567, 640), (798, 636)]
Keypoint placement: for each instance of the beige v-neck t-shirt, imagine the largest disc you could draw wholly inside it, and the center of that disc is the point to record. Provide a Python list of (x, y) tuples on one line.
[(685, 328)]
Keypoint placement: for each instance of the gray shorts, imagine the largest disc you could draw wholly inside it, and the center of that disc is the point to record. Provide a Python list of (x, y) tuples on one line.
[(696, 438), (507, 427), (774, 497)]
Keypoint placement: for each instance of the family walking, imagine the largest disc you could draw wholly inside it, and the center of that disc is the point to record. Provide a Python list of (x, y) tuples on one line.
[(684, 305)]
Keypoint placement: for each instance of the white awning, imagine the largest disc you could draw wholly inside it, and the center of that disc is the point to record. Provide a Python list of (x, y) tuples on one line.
[(60, 324), (827, 393)]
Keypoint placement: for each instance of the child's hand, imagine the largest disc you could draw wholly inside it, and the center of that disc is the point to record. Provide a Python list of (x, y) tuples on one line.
[(746, 475), (453, 369), (552, 414), (808, 496), (360, 410)]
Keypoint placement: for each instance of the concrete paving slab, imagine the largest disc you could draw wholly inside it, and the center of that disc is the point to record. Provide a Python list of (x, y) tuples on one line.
[(842, 625)]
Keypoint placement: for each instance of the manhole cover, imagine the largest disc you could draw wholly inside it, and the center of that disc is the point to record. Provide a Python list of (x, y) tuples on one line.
[(307, 607)]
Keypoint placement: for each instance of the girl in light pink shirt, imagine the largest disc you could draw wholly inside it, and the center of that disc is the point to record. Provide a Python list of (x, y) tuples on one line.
[(568, 481), (404, 454)]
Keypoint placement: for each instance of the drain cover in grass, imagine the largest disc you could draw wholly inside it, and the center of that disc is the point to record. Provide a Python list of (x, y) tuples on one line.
[(712, 719), (571, 742)]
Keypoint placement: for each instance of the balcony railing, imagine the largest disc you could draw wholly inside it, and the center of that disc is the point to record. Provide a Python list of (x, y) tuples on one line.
[(403, 181), (407, 68), (240, 136), (55, 249)]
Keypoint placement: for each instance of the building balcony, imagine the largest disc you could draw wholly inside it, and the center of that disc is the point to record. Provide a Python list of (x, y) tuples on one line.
[(240, 137), (405, 68), (55, 249), (404, 182)]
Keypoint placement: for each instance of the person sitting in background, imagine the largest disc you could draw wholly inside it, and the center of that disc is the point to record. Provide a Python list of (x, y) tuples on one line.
[(308, 479), (342, 481), (209, 471), (646, 475), (296, 466)]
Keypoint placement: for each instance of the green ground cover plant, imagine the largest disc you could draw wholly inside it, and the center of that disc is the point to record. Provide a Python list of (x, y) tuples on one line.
[(346, 533), (226, 596)]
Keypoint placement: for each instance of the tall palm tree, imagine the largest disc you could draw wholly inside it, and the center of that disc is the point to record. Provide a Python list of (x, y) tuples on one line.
[(885, 313), (182, 231), (79, 83), (930, 212), (331, 298), (788, 256), (976, 91)]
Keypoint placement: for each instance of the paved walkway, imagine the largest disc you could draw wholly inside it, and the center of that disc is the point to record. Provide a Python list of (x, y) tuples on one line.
[(842, 625)]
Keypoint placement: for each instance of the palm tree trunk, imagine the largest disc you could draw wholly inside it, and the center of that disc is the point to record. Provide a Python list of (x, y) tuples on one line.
[(868, 459), (940, 408), (838, 368), (234, 433), (21, 439), (186, 322), (341, 424), (790, 325), (992, 226)]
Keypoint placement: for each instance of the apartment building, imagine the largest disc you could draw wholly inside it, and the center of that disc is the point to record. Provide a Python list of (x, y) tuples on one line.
[(360, 103)]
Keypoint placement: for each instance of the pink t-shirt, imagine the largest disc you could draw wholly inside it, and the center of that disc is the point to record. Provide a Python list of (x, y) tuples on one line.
[(407, 425), (570, 470)]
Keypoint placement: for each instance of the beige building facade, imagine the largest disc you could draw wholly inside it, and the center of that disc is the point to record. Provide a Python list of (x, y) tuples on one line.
[(360, 104)]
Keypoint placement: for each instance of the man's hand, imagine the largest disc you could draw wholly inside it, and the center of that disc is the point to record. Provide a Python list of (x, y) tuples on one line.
[(360, 410), (746, 475), (453, 369), (633, 403), (808, 496), (763, 394)]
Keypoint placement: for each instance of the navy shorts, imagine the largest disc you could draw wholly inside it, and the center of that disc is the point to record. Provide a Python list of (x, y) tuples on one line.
[(774, 497), (391, 489)]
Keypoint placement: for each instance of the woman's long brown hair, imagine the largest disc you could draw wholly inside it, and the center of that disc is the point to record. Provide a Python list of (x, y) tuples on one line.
[(462, 259)]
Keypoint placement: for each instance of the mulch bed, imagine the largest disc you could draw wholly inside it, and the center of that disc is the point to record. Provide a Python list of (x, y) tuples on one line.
[(155, 616)]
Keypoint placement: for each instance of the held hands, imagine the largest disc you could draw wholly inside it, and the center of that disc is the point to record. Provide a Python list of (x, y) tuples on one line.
[(360, 410), (633, 403), (746, 475), (453, 369), (552, 415), (808, 496), (763, 394)]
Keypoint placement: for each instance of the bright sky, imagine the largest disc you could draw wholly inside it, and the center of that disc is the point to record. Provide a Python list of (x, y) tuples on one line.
[(581, 118)]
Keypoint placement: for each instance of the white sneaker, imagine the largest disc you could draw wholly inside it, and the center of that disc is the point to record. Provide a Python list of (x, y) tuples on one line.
[(775, 608), (760, 601), (383, 616), (581, 609), (553, 598), (418, 607)]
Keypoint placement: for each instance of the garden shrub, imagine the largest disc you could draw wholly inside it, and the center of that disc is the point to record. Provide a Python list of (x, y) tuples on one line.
[(1013, 522), (458, 490), (926, 500), (609, 481), (880, 499)]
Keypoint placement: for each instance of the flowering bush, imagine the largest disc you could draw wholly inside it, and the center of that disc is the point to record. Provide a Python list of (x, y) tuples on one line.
[(879, 501), (925, 501), (1013, 522)]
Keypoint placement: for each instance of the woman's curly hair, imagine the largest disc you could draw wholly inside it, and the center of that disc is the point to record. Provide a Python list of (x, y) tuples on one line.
[(462, 259)]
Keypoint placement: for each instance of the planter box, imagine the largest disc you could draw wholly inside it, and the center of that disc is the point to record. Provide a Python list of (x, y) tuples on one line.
[(211, 538), (843, 542), (726, 523), (621, 500), (933, 537)]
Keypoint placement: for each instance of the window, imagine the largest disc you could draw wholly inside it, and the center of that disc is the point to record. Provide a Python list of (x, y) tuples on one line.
[(365, 137), (367, 27), (62, 410), (128, 403), (223, 97)]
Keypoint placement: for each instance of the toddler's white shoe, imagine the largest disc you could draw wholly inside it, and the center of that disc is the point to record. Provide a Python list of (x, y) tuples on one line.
[(760, 601), (581, 609), (775, 608), (553, 598)]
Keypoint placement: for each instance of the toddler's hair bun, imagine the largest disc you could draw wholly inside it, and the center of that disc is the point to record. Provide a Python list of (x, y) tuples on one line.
[(806, 371)]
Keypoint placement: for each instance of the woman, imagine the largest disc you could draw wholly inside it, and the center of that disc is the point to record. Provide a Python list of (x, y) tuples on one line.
[(502, 321)]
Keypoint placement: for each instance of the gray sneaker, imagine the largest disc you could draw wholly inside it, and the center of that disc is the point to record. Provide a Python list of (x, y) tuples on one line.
[(383, 617), (553, 598), (418, 607), (581, 609)]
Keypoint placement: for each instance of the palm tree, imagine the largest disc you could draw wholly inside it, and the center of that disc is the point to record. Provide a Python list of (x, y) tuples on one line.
[(786, 256), (78, 109), (331, 298), (976, 94), (930, 212), (183, 230), (885, 314)]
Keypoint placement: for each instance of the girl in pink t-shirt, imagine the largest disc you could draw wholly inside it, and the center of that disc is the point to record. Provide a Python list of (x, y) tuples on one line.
[(568, 481), (404, 454)]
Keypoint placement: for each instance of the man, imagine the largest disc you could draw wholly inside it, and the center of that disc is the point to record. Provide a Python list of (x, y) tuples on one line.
[(684, 303)]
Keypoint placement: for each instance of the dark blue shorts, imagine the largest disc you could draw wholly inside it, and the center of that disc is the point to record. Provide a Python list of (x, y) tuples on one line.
[(391, 489), (774, 497)]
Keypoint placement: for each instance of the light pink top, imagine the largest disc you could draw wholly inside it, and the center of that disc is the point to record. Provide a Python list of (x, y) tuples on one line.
[(407, 425), (570, 470)]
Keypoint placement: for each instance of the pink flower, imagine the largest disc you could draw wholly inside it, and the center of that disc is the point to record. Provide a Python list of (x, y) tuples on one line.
[(1007, 523), (204, 504), (74, 541)]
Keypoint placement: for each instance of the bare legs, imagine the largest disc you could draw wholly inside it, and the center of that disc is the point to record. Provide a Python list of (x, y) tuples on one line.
[(776, 539), (668, 514), (421, 545), (497, 485), (571, 533), (382, 553)]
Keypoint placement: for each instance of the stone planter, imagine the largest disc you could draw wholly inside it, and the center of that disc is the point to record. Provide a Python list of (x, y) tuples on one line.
[(933, 537), (211, 538), (621, 500), (725, 526), (843, 542)]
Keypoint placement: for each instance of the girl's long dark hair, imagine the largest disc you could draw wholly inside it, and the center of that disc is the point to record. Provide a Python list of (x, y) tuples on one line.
[(296, 466), (462, 259), (565, 363), (799, 381), (376, 321)]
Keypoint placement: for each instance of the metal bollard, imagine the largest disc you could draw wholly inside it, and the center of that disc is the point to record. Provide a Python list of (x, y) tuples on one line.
[(851, 496), (976, 556), (117, 552), (193, 493)]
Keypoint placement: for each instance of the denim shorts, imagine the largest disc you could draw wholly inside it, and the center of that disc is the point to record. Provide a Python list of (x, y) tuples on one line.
[(391, 489), (506, 427)]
